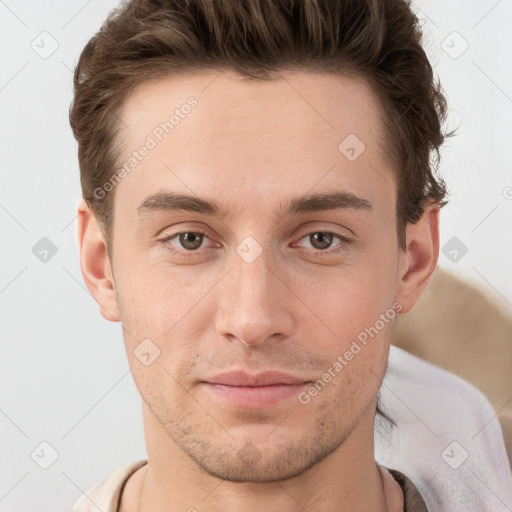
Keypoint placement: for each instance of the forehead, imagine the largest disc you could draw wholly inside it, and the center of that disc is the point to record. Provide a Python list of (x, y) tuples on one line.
[(325, 102), (211, 133)]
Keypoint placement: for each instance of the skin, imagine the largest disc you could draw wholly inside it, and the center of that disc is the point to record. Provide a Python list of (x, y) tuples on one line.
[(252, 145)]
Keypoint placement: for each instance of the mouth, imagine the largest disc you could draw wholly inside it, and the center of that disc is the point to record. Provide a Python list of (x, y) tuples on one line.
[(266, 389)]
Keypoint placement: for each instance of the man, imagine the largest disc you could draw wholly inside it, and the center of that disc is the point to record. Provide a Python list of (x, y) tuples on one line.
[(258, 195)]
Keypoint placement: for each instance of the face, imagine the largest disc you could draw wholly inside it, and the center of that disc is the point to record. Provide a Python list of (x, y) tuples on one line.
[(269, 280)]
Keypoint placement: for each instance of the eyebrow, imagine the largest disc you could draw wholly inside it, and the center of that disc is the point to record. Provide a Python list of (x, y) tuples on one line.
[(169, 201)]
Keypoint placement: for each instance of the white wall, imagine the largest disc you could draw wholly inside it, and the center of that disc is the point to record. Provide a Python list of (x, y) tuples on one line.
[(63, 371)]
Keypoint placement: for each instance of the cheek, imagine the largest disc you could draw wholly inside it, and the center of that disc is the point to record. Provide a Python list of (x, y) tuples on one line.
[(349, 329), (349, 300), (157, 297), (162, 321), (345, 390), (158, 386)]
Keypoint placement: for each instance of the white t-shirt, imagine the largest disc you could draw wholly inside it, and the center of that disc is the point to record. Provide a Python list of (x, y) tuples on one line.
[(448, 441)]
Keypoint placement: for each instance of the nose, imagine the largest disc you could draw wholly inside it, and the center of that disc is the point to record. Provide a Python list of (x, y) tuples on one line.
[(254, 303)]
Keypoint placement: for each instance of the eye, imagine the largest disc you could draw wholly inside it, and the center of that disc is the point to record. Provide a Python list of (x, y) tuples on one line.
[(190, 242), (321, 241)]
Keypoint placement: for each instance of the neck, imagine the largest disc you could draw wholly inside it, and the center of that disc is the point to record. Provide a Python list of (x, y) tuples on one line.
[(345, 480)]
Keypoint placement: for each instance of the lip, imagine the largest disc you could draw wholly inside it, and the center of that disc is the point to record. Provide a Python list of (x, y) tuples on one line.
[(265, 389), (268, 378)]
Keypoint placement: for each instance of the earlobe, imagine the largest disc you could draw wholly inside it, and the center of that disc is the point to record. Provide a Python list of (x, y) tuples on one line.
[(420, 258), (95, 264)]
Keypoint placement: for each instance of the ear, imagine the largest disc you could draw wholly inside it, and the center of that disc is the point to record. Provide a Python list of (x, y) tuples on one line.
[(95, 263), (419, 261)]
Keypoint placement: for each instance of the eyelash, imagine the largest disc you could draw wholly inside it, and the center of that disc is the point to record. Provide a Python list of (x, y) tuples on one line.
[(343, 246)]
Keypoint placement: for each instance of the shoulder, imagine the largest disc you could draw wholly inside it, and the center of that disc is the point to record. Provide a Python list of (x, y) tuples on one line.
[(448, 440), (106, 493)]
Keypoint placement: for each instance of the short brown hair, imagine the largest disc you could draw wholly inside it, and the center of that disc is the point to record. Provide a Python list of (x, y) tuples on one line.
[(377, 39)]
